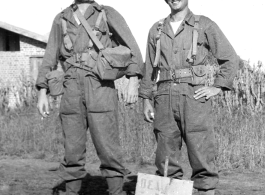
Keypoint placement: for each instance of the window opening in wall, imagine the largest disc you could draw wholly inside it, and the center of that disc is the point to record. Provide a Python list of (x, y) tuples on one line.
[(9, 41)]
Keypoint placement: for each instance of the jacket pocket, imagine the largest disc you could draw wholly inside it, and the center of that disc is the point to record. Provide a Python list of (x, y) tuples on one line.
[(55, 82)]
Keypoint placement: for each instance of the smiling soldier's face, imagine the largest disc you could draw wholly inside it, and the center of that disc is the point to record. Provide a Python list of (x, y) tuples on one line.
[(177, 5)]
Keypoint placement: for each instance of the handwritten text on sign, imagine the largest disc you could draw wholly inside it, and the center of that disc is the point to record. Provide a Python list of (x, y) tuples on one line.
[(155, 185)]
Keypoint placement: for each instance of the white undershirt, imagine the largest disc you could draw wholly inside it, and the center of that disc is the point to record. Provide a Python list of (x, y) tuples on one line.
[(175, 26)]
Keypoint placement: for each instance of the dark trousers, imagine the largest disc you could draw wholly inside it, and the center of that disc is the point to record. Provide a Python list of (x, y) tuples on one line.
[(180, 117), (88, 103)]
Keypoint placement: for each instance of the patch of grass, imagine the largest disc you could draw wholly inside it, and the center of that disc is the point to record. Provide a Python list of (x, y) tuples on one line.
[(24, 133), (240, 140)]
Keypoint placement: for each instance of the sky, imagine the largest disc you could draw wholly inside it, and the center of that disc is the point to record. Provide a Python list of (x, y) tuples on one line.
[(242, 21)]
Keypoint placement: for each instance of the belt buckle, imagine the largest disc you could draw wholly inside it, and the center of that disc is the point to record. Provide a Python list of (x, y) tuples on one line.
[(81, 62), (192, 74), (173, 75), (177, 80)]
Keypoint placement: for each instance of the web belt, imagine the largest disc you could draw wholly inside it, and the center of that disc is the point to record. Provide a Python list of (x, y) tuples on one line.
[(178, 76)]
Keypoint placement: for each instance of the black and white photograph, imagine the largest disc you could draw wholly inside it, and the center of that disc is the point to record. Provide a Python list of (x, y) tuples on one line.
[(121, 97)]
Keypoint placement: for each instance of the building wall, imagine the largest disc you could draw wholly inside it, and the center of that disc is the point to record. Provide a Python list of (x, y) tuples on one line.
[(2, 42), (16, 65), (13, 64)]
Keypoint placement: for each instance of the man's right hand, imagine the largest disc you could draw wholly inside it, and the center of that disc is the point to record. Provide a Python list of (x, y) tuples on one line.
[(43, 104), (148, 111)]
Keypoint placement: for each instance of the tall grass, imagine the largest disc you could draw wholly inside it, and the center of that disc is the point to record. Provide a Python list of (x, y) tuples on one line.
[(240, 121), (22, 131), (239, 126)]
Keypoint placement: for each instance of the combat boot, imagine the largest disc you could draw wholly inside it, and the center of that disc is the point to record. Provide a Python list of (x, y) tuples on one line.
[(115, 185), (73, 187), (208, 192)]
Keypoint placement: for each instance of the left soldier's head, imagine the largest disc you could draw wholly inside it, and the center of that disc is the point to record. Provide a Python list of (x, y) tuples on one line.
[(177, 5)]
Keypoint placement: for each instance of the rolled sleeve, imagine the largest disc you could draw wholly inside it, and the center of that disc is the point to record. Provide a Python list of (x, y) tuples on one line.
[(50, 58), (133, 70), (223, 83), (225, 55)]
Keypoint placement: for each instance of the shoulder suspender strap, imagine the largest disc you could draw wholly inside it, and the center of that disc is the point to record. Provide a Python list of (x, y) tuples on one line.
[(88, 28), (195, 35), (104, 15), (196, 21), (64, 26), (100, 16), (66, 39), (158, 50), (76, 19), (158, 42)]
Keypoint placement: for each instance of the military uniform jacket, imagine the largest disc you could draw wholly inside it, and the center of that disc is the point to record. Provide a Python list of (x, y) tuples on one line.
[(176, 46), (112, 33)]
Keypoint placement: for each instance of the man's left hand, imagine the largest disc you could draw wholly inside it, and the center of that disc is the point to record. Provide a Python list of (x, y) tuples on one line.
[(206, 92), (131, 91)]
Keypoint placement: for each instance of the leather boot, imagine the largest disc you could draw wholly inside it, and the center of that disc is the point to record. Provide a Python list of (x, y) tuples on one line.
[(208, 192), (73, 187), (115, 185)]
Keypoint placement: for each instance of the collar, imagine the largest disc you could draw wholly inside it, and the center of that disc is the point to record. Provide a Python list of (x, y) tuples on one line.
[(189, 19), (68, 12)]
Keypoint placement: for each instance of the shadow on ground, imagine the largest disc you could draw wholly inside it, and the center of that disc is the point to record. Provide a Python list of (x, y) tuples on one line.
[(34, 177), (95, 185)]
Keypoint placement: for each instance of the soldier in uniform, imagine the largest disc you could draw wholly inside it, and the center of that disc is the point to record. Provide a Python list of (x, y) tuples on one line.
[(87, 100), (183, 110)]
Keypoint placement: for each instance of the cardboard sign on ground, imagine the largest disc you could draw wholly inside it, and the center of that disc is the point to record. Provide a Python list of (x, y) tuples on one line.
[(156, 185)]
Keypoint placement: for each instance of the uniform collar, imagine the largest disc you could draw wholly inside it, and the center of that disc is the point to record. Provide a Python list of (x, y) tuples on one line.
[(68, 13), (189, 19)]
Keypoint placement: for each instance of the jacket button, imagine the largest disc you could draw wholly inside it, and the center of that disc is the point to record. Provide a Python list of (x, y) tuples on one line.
[(175, 51)]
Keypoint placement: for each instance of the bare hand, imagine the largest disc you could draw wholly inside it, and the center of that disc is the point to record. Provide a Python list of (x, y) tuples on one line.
[(206, 92), (43, 104), (131, 92), (148, 111)]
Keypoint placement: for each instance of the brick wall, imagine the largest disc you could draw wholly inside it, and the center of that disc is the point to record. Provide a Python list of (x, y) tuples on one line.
[(12, 64)]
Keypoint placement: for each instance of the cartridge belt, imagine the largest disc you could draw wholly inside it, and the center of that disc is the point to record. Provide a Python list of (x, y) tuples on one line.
[(179, 75)]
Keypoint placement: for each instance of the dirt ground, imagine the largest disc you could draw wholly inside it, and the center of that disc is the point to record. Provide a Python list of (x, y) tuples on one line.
[(37, 177)]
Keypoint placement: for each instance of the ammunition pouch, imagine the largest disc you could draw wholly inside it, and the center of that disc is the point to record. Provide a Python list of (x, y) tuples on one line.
[(55, 80), (200, 74)]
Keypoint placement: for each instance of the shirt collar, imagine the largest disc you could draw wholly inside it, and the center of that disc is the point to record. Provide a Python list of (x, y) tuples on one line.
[(68, 13), (189, 18)]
